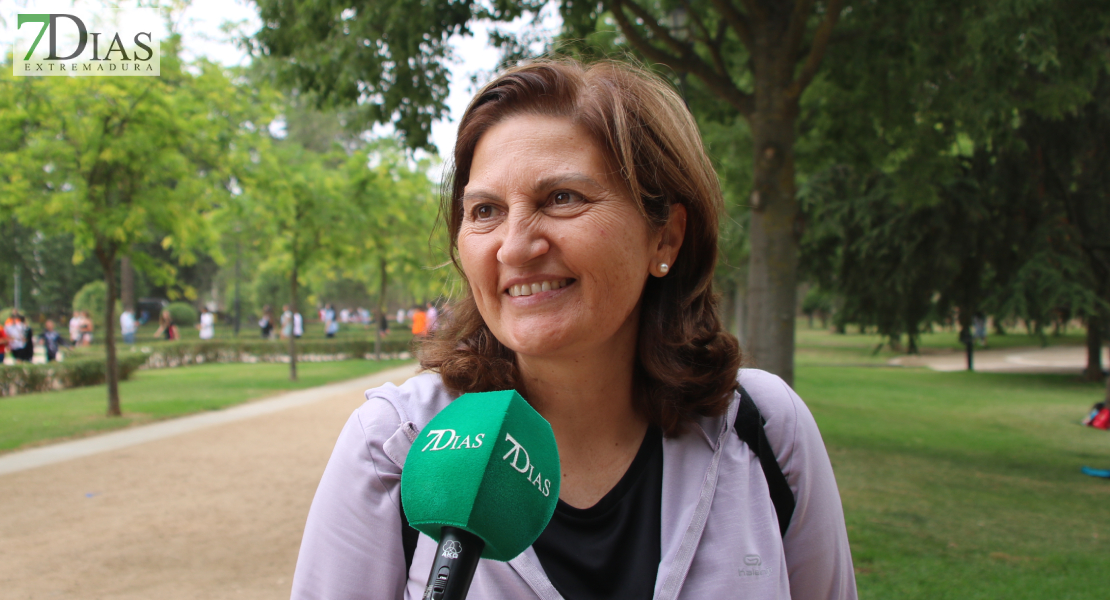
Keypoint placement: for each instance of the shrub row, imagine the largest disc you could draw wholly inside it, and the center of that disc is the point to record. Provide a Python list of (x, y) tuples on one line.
[(77, 372), (175, 354), (86, 366)]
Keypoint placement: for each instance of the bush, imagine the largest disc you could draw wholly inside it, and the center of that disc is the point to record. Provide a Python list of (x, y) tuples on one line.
[(24, 378), (184, 315), (86, 366), (174, 354), (92, 298)]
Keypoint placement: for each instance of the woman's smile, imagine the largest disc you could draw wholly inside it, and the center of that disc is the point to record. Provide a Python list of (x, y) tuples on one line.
[(517, 290)]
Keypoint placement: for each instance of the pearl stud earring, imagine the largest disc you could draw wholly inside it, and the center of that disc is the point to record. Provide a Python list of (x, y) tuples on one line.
[(663, 268)]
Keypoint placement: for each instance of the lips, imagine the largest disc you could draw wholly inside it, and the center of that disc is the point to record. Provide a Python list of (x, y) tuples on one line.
[(527, 289)]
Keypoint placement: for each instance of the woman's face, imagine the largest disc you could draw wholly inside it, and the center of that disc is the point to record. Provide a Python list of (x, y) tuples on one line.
[(555, 252)]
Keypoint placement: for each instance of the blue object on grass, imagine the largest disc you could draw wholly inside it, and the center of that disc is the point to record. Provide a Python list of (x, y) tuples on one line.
[(1105, 473)]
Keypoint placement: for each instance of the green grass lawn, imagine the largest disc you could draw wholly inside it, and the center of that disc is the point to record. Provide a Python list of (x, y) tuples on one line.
[(817, 346), (150, 395), (961, 485)]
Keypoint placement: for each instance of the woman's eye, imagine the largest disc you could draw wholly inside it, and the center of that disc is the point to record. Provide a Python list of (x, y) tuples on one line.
[(565, 198), (483, 212)]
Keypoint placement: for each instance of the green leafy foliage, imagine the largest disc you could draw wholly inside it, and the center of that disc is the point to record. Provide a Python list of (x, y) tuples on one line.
[(951, 155), (388, 57), (92, 298), (183, 314), (118, 163)]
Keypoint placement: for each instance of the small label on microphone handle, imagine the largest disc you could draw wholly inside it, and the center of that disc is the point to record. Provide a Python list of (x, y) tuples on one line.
[(451, 549)]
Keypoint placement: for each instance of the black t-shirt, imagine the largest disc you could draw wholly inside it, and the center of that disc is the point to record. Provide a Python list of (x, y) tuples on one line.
[(611, 549)]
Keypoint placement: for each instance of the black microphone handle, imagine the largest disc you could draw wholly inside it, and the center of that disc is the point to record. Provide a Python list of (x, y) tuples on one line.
[(456, 560)]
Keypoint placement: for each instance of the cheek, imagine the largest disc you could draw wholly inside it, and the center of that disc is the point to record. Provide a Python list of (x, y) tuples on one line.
[(475, 255)]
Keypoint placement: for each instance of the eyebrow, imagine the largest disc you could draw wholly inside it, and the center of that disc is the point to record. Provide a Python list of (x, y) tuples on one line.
[(545, 183)]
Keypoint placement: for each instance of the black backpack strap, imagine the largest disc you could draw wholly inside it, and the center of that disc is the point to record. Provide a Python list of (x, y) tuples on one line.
[(409, 537), (749, 426)]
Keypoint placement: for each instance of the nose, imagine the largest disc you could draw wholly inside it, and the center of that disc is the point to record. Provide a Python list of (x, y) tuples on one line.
[(523, 241)]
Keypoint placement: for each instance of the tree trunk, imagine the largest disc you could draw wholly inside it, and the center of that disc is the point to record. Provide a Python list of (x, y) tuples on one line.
[(127, 284), (775, 226), (238, 303), (107, 257), (1093, 372), (381, 309), (293, 325)]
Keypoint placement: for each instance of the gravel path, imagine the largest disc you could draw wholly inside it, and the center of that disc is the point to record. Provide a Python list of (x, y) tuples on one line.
[(210, 507), (1069, 360)]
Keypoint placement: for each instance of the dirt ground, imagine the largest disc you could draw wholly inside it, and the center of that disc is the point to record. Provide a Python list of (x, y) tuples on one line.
[(212, 513)]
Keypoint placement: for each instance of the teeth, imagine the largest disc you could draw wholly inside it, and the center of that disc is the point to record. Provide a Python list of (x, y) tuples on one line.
[(527, 289)]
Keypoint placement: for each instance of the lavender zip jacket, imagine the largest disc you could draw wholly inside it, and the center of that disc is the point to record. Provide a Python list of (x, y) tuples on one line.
[(719, 539)]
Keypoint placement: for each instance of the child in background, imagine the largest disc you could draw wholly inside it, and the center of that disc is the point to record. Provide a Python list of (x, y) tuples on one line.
[(51, 341)]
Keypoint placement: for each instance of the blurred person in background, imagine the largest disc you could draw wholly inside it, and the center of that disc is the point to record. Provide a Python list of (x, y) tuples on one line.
[(3, 344), (419, 322), (51, 341), (127, 326), (75, 329), (166, 327), (207, 324), (266, 323)]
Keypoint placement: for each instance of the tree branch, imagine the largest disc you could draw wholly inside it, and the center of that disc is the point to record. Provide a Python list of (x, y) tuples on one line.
[(712, 42), (821, 39), (689, 62), (715, 48), (795, 32), (736, 20), (652, 23), (756, 11)]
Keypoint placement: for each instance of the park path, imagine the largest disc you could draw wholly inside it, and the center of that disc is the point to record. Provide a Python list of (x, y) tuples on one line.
[(1067, 360), (210, 506)]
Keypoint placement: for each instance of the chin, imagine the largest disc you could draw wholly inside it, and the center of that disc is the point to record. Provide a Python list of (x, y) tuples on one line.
[(535, 341)]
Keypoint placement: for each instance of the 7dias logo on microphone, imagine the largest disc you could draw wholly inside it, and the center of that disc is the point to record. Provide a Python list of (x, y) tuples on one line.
[(534, 478), (449, 439), (86, 38)]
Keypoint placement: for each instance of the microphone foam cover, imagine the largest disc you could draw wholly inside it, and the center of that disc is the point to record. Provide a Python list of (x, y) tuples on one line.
[(487, 463)]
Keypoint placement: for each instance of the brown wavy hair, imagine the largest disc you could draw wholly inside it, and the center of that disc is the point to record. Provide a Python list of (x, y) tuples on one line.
[(686, 364)]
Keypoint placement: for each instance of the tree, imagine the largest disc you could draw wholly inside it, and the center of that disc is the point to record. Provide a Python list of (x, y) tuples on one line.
[(755, 56), (993, 107), (116, 162), (296, 205), (396, 207), (1068, 158)]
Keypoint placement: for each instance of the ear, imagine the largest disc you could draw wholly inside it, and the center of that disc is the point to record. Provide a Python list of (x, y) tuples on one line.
[(670, 241)]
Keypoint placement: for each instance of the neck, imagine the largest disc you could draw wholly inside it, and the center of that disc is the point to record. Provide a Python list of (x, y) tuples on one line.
[(588, 399)]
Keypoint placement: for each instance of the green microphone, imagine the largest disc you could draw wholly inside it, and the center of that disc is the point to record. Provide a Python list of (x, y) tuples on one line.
[(482, 479)]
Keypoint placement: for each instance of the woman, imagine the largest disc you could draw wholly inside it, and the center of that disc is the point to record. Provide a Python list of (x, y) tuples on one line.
[(86, 328), (583, 215), (166, 327)]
